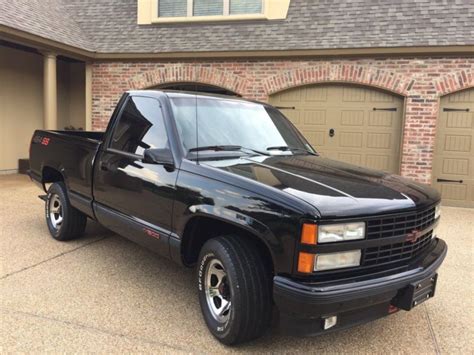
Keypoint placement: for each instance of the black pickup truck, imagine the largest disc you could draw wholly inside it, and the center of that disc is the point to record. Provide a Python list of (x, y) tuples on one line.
[(275, 231)]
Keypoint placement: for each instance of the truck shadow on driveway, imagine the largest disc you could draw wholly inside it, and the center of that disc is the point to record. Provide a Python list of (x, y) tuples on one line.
[(154, 298)]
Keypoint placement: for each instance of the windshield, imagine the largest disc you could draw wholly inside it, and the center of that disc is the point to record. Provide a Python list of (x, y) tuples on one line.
[(231, 123)]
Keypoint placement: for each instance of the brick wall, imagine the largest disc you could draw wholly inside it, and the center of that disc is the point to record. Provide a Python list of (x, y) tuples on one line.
[(422, 81)]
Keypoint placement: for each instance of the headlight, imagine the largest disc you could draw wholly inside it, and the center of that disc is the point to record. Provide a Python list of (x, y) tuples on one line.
[(437, 211), (337, 260), (313, 234), (341, 232)]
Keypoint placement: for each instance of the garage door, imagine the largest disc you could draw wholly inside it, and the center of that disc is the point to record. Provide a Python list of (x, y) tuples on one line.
[(354, 124), (453, 166)]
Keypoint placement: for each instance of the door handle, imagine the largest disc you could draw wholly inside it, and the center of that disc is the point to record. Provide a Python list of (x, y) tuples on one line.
[(447, 180), (447, 109), (394, 109), (332, 132), (286, 107)]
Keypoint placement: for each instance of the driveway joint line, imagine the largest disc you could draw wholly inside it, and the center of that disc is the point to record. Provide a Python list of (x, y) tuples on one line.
[(91, 328), (433, 335), (51, 258)]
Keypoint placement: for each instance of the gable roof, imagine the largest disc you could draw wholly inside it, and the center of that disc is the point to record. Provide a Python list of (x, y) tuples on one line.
[(45, 18), (110, 26)]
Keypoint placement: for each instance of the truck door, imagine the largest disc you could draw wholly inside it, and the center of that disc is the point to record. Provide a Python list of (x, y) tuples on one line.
[(133, 198)]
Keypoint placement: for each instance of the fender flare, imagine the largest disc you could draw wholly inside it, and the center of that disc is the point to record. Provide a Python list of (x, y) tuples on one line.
[(235, 218), (51, 165)]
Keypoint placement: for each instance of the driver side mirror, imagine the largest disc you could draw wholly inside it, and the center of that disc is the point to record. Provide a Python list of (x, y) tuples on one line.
[(161, 156)]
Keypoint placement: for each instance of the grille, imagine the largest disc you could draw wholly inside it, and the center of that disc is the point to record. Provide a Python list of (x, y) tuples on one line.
[(387, 254), (398, 225)]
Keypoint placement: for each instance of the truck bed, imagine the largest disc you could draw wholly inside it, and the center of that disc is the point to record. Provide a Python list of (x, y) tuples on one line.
[(70, 152)]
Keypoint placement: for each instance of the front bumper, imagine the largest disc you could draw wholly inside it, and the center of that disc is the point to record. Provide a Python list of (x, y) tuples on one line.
[(304, 306)]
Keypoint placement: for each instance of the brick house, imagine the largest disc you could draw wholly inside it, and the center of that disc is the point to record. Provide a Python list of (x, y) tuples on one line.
[(389, 85)]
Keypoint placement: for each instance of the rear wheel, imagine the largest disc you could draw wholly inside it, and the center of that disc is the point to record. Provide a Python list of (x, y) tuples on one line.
[(64, 221), (234, 289)]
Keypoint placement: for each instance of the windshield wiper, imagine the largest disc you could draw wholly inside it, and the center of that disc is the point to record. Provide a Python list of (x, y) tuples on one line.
[(256, 151), (226, 148), (216, 148), (285, 148)]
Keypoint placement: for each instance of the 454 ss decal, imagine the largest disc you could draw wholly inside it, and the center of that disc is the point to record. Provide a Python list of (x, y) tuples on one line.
[(41, 140)]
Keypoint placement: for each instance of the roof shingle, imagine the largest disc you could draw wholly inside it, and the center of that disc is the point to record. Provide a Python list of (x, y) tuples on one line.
[(110, 26), (45, 18)]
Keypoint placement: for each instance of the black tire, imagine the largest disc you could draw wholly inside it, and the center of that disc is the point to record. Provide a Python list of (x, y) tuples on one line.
[(73, 221), (248, 288)]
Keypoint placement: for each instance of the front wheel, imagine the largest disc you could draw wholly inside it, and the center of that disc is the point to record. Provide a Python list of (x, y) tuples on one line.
[(234, 289), (64, 221)]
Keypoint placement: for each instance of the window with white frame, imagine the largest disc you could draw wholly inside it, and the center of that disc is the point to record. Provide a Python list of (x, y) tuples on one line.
[(171, 11), (191, 8)]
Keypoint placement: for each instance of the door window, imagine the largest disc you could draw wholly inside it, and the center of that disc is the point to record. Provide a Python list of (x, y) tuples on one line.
[(140, 127)]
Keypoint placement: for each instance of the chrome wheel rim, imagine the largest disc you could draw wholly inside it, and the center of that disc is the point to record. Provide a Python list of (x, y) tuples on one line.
[(55, 211), (217, 291)]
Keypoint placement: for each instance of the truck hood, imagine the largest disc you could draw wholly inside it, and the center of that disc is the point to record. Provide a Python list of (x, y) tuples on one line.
[(335, 188)]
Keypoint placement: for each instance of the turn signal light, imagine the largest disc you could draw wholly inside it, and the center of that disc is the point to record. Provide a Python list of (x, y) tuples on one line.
[(329, 322), (309, 234), (305, 262)]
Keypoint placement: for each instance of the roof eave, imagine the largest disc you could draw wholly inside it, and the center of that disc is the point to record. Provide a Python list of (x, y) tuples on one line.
[(350, 52), (46, 44)]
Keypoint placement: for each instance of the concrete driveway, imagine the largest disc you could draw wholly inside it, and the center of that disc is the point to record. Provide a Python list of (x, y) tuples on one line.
[(103, 293)]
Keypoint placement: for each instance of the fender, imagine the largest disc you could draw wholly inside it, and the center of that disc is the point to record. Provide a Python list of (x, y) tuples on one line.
[(236, 218), (222, 214), (214, 194)]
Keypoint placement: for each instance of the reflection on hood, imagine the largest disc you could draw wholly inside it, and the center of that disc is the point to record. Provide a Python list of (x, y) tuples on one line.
[(335, 188)]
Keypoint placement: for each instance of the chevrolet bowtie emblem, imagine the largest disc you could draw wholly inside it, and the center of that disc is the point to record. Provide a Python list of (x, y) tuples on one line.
[(413, 236)]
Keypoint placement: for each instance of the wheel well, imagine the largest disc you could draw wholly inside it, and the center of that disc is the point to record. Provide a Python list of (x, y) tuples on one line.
[(51, 175), (200, 229)]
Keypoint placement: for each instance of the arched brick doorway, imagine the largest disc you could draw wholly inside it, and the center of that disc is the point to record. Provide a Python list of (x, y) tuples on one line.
[(194, 87), (189, 73)]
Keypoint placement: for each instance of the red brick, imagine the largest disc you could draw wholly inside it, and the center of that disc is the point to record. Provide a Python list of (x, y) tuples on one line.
[(420, 80)]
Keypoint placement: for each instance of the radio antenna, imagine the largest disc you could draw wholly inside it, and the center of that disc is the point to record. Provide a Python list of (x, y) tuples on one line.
[(197, 129)]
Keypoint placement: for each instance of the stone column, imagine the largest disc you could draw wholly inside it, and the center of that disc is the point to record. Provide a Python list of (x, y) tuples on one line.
[(50, 91)]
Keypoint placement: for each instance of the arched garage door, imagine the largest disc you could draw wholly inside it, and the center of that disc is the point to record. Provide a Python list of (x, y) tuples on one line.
[(453, 165), (355, 124)]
